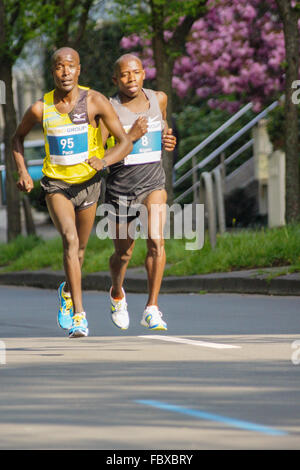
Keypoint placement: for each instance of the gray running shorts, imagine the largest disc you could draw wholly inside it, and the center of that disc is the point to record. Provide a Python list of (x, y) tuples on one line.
[(82, 195), (122, 205)]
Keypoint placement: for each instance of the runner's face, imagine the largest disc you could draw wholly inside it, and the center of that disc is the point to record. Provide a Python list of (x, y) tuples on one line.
[(130, 77), (66, 71)]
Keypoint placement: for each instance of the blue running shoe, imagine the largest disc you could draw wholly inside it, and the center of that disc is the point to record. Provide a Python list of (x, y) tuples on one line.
[(79, 326), (152, 319), (65, 312)]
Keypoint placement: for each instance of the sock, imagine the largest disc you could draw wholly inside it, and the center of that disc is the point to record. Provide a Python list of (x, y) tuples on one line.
[(117, 298), (67, 293), (151, 307)]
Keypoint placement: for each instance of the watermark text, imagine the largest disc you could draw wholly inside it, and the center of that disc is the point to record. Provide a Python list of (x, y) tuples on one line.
[(159, 221), (295, 358), (296, 94), (2, 353), (2, 92)]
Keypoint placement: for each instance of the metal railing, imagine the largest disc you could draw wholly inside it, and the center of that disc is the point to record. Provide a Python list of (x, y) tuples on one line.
[(212, 136), (208, 188), (226, 162), (215, 153)]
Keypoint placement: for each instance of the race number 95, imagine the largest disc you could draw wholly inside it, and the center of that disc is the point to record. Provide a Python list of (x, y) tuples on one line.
[(67, 143)]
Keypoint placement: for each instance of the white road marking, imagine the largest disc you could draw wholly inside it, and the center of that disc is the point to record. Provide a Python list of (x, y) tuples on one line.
[(204, 344)]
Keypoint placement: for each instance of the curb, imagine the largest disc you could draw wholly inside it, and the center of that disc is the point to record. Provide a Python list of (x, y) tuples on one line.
[(240, 282)]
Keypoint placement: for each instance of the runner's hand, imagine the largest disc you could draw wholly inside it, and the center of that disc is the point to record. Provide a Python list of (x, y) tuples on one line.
[(96, 163), (169, 141), (138, 129), (25, 182)]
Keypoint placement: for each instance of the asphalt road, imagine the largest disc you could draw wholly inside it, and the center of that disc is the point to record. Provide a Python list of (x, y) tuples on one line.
[(224, 376)]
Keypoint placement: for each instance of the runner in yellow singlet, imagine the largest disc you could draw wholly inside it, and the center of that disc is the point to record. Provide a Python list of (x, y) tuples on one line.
[(70, 115)]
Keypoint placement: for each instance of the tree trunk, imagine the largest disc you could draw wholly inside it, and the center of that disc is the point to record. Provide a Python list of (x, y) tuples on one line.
[(164, 70), (29, 222), (291, 37), (164, 54), (10, 124)]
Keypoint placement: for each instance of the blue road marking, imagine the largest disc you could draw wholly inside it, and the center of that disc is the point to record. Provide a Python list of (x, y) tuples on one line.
[(246, 425)]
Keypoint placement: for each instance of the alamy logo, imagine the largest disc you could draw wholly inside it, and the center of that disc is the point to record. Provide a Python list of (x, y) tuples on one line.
[(295, 358), (2, 353), (187, 222), (295, 98), (2, 92)]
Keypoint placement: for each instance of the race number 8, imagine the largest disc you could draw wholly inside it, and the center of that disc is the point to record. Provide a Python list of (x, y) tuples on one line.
[(145, 140), (67, 143)]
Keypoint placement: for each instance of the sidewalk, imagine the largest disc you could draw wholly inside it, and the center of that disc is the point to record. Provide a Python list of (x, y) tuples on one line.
[(255, 281), (242, 282)]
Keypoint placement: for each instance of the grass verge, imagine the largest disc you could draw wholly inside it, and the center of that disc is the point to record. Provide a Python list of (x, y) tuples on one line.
[(246, 249)]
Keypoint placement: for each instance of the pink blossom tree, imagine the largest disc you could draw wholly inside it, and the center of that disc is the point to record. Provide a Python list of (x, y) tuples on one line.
[(241, 51), (235, 53)]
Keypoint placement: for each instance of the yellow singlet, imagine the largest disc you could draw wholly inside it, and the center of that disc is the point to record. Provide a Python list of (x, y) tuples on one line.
[(68, 145)]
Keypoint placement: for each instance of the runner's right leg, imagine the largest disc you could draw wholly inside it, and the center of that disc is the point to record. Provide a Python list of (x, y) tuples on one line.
[(84, 223), (84, 220), (63, 216)]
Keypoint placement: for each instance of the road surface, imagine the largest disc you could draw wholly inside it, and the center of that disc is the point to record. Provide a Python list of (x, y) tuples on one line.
[(224, 376)]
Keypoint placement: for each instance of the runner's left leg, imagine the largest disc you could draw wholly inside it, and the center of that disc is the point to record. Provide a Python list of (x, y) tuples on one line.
[(118, 262), (120, 258)]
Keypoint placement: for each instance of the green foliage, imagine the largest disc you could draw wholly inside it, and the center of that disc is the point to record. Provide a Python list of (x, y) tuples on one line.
[(22, 21), (297, 6), (99, 50), (134, 15), (138, 15), (276, 126), (9, 252), (67, 24)]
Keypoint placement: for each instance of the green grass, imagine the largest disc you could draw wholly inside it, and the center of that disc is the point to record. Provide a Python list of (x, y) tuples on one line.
[(235, 250), (245, 249), (31, 253)]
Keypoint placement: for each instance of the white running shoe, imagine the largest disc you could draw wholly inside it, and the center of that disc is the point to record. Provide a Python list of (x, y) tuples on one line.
[(119, 312), (152, 319)]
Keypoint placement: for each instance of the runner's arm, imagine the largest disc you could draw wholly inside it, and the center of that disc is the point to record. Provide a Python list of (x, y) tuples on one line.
[(113, 125), (32, 116), (168, 139), (138, 129), (104, 133)]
